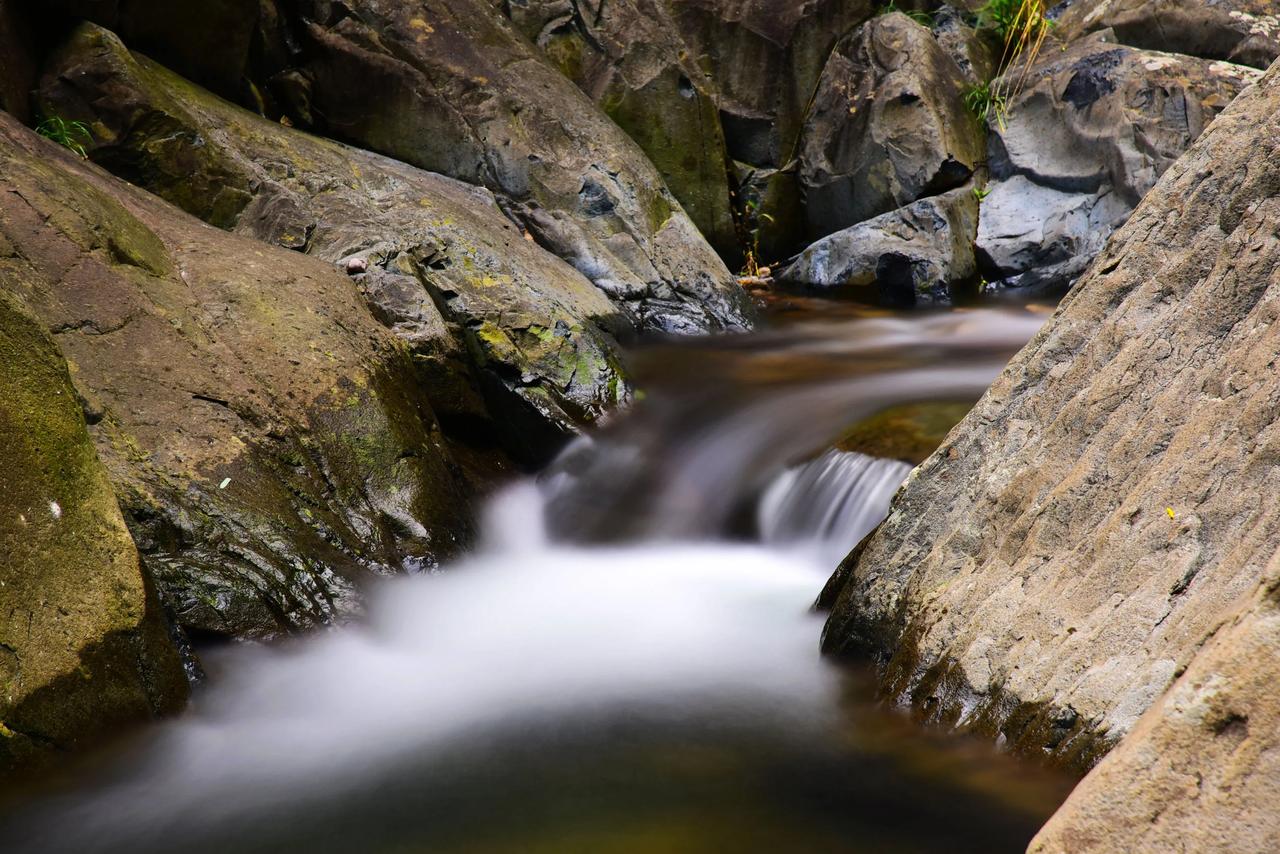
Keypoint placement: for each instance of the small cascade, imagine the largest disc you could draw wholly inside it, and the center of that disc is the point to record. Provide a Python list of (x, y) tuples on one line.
[(830, 503)]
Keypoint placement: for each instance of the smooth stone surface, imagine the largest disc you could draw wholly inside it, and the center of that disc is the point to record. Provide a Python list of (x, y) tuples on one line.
[(887, 126), (912, 254), (1088, 135), (84, 646), (266, 436)]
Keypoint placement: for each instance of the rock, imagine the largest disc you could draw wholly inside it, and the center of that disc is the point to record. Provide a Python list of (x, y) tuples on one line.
[(765, 57), (1092, 130), (888, 126), (627, 55), (266, 437), (1242, 31), (460, 92), (1080, 536), (211, 45), (914, 254), (84, 647), (1200, 769), (17, 62), (510, 340), (975, 55)]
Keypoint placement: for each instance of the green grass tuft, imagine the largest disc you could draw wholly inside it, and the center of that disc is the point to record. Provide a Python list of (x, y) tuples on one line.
[(71, 135)]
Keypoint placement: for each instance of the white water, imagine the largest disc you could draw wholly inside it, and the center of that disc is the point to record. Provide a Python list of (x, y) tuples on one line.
[(515, 635), (527, 634)]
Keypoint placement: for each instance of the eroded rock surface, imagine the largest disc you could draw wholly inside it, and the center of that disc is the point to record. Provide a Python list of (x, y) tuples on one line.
[(84, 647), (1243, 31), (1201, 770), (627, 55), (509, 339), (887, 126), (461, 92), (266, 436), (913, 255), (1066, 554), (1090, 132)]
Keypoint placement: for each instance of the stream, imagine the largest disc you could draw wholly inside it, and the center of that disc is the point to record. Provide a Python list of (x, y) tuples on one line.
[(627, 663)]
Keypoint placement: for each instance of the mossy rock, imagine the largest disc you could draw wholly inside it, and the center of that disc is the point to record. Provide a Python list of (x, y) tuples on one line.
[(84, 647)]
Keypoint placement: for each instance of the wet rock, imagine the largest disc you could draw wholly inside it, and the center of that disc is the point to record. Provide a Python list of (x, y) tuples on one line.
[(510, 340), (1078, 538), (913, 255), (17, 62), (1090, 133), (266, 437), (1242, 31), (888, 126), (462, 93), (84, 648), (629, 58)]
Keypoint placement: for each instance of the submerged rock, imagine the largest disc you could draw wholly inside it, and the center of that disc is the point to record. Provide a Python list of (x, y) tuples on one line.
[(266, 436), (1243, 31), (888, 126), (1089, 133), (627, 55), (1065, 556), (461, 92), (509, 339), (84, 647), (912, 255)]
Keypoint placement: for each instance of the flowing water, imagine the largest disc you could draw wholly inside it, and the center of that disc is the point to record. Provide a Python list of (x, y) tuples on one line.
[(628, 663)]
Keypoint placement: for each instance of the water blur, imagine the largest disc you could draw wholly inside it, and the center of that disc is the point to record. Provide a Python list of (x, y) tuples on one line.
[(628, 663)]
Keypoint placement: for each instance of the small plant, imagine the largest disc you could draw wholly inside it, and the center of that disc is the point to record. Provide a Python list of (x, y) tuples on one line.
[(71, 135), (981, 193), (922, 18), (985, 102), (1022, 26)]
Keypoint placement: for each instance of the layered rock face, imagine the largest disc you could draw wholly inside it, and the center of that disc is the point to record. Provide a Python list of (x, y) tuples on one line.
[(84, 647), (1071, 549), (510, 341), (266, 436), (1201, 770), (628, 56), (463, 94)]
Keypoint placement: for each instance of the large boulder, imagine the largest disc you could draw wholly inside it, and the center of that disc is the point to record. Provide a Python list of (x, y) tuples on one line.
[(266, 435), (1090, 131), (1076, 541), (765, 57), (462, 93), (627, 55), (511, 341), (1201, 770), (84, 646), (912, 255), (1242, 31), (887, 126)]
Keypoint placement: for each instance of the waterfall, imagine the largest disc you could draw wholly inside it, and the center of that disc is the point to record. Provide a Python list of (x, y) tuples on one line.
[(633, 636)]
